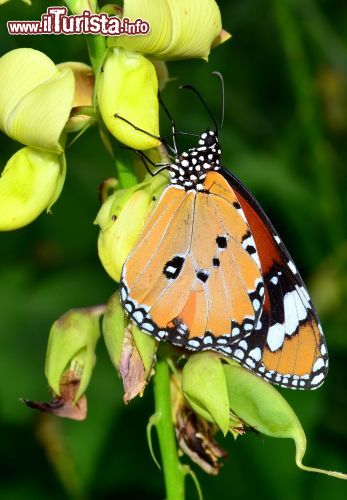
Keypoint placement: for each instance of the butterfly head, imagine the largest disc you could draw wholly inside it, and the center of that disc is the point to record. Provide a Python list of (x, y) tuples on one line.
[(209, 140), (190, 168)]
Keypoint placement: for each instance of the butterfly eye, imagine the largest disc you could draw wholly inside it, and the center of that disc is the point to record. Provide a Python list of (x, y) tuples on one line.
[(210, 140)]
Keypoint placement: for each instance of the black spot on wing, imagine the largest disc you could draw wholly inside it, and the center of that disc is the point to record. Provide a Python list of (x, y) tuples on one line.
[(248, 243), (202, 275), (173, 267), (221, 241)]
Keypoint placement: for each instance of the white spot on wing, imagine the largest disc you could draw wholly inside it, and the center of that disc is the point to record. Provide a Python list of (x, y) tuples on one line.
[(259, 325), (318, 364), (171, 269), (304, 296), (239, 354), (194, 343), (235, 331), (300, 307), (148, 327), (242, 214), (255, 257), (138, 316), (317, 379), (292, 267), (255, 354), (250, 362), (248, 242), (294, 311), (248, 327), (275, 336)]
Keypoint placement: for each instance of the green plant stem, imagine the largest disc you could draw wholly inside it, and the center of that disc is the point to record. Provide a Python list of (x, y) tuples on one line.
[(125, 172), (172, 468)]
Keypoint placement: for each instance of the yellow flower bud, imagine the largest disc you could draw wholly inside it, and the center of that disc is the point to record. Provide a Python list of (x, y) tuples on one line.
[(71, 348), (262, 407), (114, 324), (204, 386), (35, 98), (128, 87), (30, 183), (179, 29), (121, 219)]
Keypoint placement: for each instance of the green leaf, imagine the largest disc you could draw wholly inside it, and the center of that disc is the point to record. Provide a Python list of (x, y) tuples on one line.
[(204, 385), (113, 327), (261, 406), (146, 346)]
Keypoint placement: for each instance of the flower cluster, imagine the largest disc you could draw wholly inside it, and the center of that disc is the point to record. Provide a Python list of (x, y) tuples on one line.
[(41, 102)]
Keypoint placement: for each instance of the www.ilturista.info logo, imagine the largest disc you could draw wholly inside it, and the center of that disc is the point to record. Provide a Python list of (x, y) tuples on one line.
[(56, 21)]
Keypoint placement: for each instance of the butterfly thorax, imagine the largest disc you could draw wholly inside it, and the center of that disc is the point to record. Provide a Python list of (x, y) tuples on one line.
[(190, 168)]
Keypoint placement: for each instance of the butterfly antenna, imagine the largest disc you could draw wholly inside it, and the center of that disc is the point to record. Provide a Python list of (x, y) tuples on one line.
[(220, 76), (161, 139), (190, 87)]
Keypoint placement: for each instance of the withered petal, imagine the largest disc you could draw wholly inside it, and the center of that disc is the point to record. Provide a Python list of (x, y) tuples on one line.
[(195, 438), (60, 407), (131, 369), (65, 404)]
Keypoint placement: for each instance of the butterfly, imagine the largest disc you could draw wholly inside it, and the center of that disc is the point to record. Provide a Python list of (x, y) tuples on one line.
[(209, 272)]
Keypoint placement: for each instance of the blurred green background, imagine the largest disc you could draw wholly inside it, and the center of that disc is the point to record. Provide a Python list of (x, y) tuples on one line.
[(285, 73)]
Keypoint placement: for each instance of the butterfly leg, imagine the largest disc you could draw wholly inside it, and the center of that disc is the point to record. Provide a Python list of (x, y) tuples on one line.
[(144, 158)]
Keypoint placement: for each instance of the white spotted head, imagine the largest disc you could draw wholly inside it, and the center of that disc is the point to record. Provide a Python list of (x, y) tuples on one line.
[(190, 167)]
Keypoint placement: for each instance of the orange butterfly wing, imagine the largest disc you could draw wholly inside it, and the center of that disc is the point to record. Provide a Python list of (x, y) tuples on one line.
[(287, 346), (210, 272), (194, 275)]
